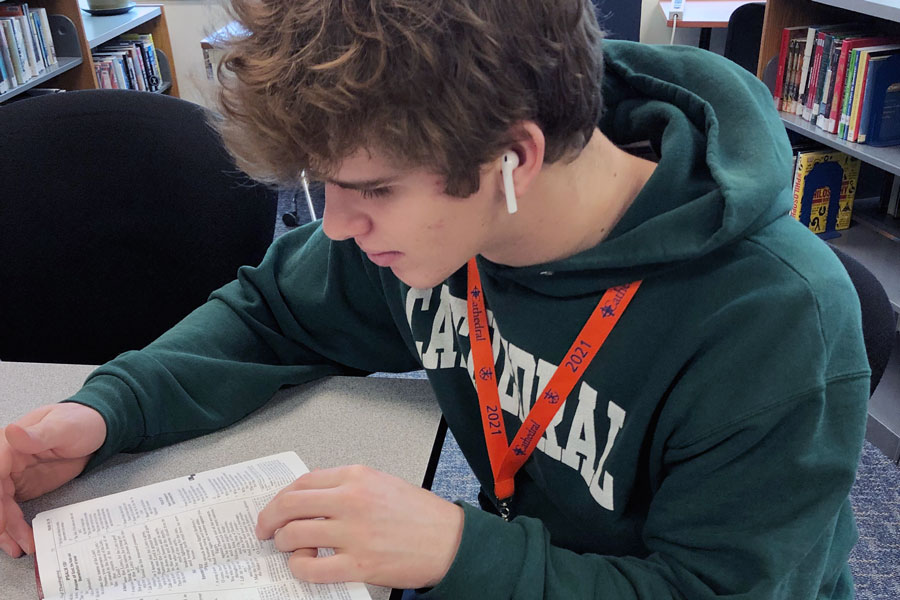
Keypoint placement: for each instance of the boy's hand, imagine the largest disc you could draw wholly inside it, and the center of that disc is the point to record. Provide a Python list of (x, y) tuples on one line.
[(38, 453), (384, 531)]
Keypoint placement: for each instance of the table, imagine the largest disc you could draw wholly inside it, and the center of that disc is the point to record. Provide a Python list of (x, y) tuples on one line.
[(388, 424), (705, 14)]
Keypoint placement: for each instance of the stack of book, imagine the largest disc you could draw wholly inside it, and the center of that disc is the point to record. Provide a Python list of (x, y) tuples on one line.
[(128, 62), (824, 187), (26, 45), (843, 78)]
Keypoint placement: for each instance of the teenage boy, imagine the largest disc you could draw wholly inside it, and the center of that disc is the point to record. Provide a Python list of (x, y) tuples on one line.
[(656, 374)]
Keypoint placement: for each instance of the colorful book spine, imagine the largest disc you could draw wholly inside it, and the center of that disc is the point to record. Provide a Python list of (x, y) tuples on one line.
[(840, 78)]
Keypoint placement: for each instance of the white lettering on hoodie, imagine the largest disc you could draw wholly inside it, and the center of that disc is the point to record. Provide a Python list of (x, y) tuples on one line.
[(522, 377)]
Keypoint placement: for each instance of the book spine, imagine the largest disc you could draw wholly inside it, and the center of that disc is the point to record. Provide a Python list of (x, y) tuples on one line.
[(855, 116), (847, 99), (48, 36), (6, 58), (39, 36), (789, 71), (33, 45), (808, 52), (839, 85), (798, 184), (848, 191), (17, 56), (828, 90), (22, 48), (782, 66), (865, 114), (815, 76)]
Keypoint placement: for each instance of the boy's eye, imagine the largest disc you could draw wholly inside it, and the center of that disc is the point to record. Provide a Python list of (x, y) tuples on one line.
[(375, 192)]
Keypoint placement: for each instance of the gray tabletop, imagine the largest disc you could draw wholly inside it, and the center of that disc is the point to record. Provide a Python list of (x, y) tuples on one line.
[(388, 424)]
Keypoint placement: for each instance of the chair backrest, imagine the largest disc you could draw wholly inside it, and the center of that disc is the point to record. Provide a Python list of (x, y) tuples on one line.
[(879, 323), (620, 18), (119, 213), (744, 35)]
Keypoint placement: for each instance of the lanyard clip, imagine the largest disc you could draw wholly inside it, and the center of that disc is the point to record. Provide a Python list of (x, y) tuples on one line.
[(503, 507)]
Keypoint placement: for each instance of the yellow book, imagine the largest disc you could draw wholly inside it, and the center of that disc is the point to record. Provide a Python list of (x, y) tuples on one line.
[(824, 189), (857, 92)]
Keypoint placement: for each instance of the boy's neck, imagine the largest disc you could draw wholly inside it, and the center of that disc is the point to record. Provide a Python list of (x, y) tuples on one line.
[(571, 207)]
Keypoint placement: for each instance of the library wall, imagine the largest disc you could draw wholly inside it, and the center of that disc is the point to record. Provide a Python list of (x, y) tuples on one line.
[(654, 30), (189, 22)]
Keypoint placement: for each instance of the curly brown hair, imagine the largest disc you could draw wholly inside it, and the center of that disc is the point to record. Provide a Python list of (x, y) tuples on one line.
[(435, 84)]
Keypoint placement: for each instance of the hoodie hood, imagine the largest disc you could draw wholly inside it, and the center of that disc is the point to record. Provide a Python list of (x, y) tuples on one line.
[(723, 173)]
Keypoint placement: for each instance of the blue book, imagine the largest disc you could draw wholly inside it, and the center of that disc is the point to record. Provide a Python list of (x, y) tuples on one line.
[(884, 117)]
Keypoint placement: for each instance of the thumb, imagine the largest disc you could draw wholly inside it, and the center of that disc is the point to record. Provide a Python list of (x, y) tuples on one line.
[(33, 439), (68, 430)]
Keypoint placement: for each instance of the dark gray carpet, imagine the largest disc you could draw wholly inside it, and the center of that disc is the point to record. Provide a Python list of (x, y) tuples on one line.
[(875, 561)]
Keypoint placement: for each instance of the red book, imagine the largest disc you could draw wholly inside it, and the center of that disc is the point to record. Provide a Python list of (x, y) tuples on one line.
[(840, 75), (786, 34), (814, 75)]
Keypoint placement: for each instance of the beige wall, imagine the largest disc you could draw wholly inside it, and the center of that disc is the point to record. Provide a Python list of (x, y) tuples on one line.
[(189, 22), (654, 30)]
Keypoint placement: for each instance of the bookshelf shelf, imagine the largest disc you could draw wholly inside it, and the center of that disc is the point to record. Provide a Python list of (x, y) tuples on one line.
[(65, 63), (887, 158), (879, 252), (883, 9), (98, 30)]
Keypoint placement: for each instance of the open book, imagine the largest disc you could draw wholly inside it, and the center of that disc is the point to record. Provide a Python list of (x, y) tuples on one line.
[(186, 539)]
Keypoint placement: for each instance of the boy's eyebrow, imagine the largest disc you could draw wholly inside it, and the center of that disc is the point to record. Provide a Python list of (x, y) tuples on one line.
[(362, 184)]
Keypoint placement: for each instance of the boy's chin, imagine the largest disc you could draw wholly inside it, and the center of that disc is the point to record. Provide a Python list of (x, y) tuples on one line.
[(420, 280)]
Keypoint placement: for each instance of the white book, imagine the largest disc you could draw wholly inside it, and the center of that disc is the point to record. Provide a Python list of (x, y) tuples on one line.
[(16, 55), (185, 539), (48, 35), (22, 48), (33, 46)]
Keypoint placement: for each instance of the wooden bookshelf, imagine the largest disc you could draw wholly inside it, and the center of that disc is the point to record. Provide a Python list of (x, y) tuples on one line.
[(80, 33), (873, 238)]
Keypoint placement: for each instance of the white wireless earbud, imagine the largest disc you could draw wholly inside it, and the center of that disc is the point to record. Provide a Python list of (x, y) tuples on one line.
[(510, 162)]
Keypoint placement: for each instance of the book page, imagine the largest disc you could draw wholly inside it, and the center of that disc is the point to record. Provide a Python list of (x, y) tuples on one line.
[(190, 538)]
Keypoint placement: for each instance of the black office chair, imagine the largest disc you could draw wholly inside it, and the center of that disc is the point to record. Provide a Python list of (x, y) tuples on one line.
[(620, 18), (119, 213), (878, 320), (742, 41)]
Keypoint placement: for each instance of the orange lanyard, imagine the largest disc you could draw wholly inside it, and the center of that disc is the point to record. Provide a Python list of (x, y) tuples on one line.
[(506, 459)]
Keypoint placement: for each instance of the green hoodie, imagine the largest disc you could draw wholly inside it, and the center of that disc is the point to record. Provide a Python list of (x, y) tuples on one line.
[(710, 448)]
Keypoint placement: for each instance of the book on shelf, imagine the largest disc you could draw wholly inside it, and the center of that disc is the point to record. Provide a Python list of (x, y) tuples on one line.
[(824, 75), (189, 538), (824, 188), (27, 49), (864, 59), (132, 63), (883, 128)]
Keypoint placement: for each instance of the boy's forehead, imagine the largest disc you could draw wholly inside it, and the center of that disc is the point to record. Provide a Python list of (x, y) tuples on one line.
[(368, 168)]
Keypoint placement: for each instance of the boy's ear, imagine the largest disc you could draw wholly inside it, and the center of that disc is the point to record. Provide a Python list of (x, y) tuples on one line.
[(529, 147)]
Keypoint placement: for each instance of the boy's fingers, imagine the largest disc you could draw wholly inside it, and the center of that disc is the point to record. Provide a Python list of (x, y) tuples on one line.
[(308, 534), (324, 569), (9, 546), (16, 526), (291, 506)]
